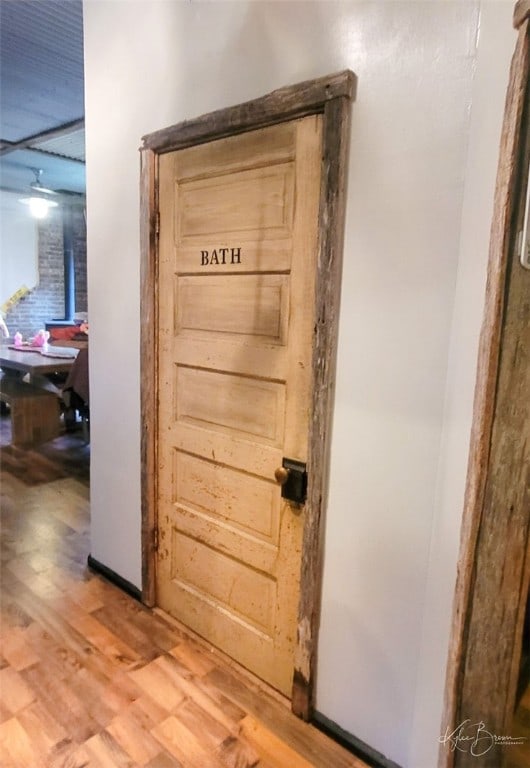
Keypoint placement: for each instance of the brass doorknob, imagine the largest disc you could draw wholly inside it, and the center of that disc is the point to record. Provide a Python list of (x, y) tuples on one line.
[(281, 474)]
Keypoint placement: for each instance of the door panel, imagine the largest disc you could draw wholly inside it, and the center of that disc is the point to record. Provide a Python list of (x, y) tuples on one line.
[(247, 305), (247, 205), (241, 502), (230, 403), (237, 261)]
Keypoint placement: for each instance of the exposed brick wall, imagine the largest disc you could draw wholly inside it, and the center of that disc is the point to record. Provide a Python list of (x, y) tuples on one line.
[(79, 224), (46, 301)]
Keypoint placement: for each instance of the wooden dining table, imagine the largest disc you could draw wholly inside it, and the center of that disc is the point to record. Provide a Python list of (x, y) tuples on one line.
[(36, 362), (31, 391)]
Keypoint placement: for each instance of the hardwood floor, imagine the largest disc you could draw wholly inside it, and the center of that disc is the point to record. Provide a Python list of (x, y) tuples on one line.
[(90, 678)]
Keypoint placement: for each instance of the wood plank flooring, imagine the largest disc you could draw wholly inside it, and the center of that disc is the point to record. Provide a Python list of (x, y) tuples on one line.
[(90, 678)]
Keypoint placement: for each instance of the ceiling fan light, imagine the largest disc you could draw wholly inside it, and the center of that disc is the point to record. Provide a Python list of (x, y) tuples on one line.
[(38, 206)]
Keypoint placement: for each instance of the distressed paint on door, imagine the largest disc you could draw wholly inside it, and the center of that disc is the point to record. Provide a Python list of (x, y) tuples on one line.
[(238, 244)]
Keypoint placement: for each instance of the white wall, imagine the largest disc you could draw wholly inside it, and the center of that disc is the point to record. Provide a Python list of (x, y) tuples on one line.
[(424, 148), (497, 42), (19, 266)]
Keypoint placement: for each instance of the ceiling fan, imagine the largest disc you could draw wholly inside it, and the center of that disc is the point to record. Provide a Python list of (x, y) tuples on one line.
[(40, 200), (37, 186)]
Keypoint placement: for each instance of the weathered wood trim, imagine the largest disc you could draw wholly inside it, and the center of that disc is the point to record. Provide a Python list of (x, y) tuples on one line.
[(331, 96), (336, 135), (495, 613), (149, 364), (472, 621), (509, 482), (288, 103), (521, 12)]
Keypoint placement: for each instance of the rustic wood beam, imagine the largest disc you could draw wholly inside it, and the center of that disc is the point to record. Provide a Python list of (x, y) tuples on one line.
[(149, 366), (284, 104), (336, 136), (521, 12)]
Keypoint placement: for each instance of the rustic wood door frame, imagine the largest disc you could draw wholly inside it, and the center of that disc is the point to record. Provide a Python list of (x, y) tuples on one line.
[(332, 97), (494, 563)]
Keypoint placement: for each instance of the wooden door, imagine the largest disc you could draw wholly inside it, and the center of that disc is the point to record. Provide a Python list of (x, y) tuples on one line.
[(237, 264)]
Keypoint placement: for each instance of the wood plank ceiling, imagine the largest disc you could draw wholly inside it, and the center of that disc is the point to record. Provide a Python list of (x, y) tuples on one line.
[(42, 94)]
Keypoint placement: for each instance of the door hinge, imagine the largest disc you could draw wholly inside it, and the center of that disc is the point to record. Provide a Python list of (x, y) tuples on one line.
[(155, 539), (157, 223)]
